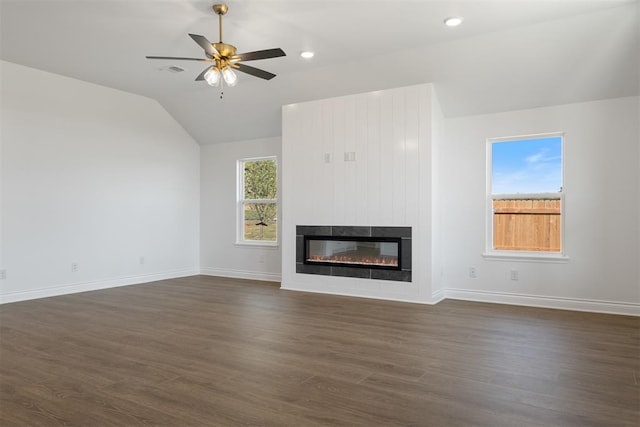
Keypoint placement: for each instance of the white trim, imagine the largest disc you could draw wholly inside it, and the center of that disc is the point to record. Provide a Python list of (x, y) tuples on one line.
[(94, 286), (545, 257), (574, 304), (490, 252), (295, 288), (241, 274), (439, 295), (241, 201), (529, 136), (258, 243)]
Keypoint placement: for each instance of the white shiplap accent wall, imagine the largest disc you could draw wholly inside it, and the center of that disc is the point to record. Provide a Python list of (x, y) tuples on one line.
[(389, 183)]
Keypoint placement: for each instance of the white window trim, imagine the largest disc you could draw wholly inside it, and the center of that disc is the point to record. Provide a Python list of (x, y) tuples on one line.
[(241, 201), (528, 256)]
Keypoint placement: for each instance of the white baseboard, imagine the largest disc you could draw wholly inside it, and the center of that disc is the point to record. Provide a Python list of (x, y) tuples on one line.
[(574, 304), (290, 287), (241, 274), (93, 286), (438, 296)]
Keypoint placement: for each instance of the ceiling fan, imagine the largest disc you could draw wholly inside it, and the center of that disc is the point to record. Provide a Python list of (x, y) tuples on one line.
[(224, 58)]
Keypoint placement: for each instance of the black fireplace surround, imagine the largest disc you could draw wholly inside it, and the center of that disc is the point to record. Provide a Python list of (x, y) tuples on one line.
[(382, 253)]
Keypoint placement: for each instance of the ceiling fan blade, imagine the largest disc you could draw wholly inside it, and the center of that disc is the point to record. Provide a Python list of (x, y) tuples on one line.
[(205, 44), (257, 72), (179, 59), (201, 75), (259, 54)]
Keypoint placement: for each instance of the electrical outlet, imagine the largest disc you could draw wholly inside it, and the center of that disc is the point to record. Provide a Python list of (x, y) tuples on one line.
[(514, 274), (74, 267), (3, 274), (327, 157), (472, 272), (141, 260)]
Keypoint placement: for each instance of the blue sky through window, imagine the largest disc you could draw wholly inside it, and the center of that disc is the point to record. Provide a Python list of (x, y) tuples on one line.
[(527, 166)]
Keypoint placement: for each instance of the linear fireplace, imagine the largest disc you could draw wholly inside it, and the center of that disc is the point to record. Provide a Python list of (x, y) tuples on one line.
[(382, 253), (359, 252)]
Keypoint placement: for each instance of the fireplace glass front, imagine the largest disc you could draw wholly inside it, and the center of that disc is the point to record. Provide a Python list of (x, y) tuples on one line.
[(366, 252)]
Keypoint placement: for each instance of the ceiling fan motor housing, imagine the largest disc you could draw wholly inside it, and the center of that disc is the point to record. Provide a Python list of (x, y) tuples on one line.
[(225, 50)]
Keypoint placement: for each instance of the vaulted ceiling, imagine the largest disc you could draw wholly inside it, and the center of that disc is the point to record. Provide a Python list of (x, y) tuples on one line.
[(506, 55)]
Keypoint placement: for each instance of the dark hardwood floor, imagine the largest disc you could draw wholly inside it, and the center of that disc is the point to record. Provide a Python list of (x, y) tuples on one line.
[(204, 351)]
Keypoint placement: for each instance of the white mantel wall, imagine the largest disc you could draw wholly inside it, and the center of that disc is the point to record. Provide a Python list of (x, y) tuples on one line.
[(392, 133), (94, 176)]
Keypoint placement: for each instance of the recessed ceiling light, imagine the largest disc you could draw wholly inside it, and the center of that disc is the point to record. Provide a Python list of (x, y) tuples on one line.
[(307, 54), (453, 21)]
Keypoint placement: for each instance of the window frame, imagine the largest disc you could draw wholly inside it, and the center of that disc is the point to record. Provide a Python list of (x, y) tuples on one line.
[(490, 252), (241, 202)]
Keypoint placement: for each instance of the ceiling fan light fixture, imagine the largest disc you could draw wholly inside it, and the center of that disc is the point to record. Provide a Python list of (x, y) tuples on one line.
[(307, 54), (230, 78), (222, 56), (212, 77), (453, 21)]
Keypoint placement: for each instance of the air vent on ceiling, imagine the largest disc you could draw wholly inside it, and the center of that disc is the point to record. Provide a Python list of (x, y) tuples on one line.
[(175, 69)]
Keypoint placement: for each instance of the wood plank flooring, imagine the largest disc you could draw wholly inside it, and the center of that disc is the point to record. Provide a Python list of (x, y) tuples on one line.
[(205, 351)]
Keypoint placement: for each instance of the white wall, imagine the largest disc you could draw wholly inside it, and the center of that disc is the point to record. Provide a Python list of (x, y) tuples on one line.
[(602, 215), (94, 176), (389, 184), (101, 177), (219, 253)]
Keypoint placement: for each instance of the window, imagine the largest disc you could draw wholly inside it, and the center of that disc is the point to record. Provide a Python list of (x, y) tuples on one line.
[(257, 201), (525, 195)]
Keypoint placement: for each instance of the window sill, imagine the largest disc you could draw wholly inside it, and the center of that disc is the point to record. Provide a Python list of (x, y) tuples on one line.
[(258, 244), (526, 257)]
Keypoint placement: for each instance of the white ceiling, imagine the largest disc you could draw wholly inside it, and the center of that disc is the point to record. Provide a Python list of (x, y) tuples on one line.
[(508, 54)]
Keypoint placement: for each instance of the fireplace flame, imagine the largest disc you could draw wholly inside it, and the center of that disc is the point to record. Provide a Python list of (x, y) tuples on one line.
[(344, 259)]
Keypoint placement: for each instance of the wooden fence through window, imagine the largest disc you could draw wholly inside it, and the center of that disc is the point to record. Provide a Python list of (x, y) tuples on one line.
[(526, 225)]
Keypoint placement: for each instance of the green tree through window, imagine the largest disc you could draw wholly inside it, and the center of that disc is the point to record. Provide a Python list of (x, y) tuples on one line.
[(258, 205)]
